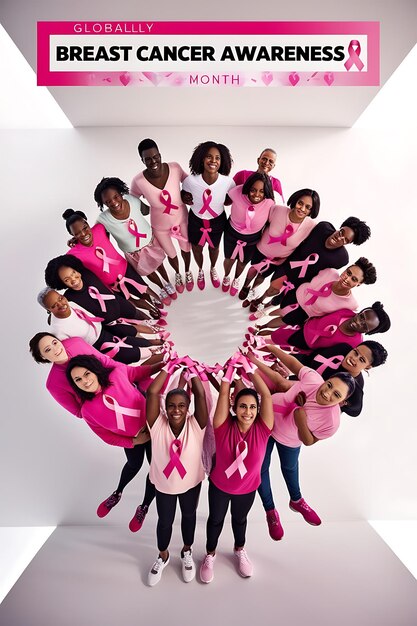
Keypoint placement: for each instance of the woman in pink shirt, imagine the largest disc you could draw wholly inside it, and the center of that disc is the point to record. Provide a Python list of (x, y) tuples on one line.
[(176, 468), (241, 439), (251, 203), (266, 163)]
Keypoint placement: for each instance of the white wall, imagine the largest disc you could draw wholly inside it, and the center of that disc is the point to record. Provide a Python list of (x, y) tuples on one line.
[(54, 470)]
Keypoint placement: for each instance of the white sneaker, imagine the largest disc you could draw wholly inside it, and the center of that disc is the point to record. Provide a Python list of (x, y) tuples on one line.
[(170, 291), (251, 295), (188, 566), (156, 570)]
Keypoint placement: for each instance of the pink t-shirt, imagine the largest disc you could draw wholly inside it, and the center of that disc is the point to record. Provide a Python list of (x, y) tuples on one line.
[(102, 257), (322, 421), (117, 413), (242, 176), (210, 196), (176, 467), (246, 218), (325, 301), (321, 332), (236, 450), (160, 199), (282, 236)]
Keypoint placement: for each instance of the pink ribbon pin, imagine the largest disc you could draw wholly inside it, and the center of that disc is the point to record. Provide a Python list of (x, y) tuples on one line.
[(324, 292), (263, 265), (90, 319), (238, 464), (354, 50), (165, 198), (174, 462), (310, 260), (238, 251), (286, 287), (94, 293), (121, 286), (133, 230), (112, 404), (206, 204), (205, 236), (107, 261), (282, 238), (332, 362), (176, 233), (115, 346), (328, 331)]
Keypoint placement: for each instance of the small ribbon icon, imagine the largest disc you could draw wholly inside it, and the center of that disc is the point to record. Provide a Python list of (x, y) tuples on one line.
[(310, 260), (165, 198), (115, 346), (238, 251), (90, 319), (107, 261), (332, 362), (174, 462), (238, 464), (133, 230), (206, 204), (282, 238), (354, 50), (324, 292), (176, 233), (112, 404), (94, 293), (121, 286), (205, 236)]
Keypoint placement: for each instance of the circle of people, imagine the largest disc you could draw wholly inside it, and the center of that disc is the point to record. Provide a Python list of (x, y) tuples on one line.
[(114, 366)]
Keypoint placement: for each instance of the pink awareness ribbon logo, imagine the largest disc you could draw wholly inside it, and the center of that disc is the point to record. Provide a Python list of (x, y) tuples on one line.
[(327, 331), (205, 236), (354, 50), (94, 293), (107, 261), (176, 233), (282, 238), (206, 204), (310, 260), (332, 362), (323, 292), (165, 198), (115, 346), (121, 286), (90, 319), (112, 404), (250, 214), (286, 287), (133, 230), (174, 460), (238, 464), (263, 265), (238, 251)]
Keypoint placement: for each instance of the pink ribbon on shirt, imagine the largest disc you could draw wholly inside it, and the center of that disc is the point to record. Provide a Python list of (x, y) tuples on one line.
[(176, 233), (286, 287), (250, 214), (285, 410), (112, 404), (332, 362), (121, 286), (115, 346), (94, 293), (107, 261), (165, 198), (206, 204), (324, 292), (174, 459), (238, 251), (328, 331), (282, 238), (354, 50), (205, 236), (90, 319), (133, 230), (310, 260), (238, 464)]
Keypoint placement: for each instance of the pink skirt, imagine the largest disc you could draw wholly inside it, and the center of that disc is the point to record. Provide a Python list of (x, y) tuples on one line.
[(147, 259)]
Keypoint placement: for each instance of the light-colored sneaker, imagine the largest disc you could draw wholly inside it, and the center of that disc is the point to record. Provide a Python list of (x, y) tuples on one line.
[(235, 287), (170, 291), (156, 570), (164, 297), (189, 281), (226, 284), (179, 283), (244, 566), (206, 568), (260, 312), (201, 282), (188, 566), (251, 296), (214, 277)]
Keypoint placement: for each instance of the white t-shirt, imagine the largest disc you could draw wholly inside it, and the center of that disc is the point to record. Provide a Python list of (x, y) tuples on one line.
[(75, 326), (199, 189), (124, 230)]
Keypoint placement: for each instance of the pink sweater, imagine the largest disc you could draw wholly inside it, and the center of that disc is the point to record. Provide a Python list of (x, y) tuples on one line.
[(242, 176), (246, 218)]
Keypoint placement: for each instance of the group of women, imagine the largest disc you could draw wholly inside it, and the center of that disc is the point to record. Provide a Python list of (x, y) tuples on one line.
[(114, 366)]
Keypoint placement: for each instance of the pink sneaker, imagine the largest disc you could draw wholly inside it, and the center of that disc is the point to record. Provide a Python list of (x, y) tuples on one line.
[(137, 520), (226, 284), (165, 297), (260, 312), (171, 291), (206, 568), (214, 277), (201, 283), (234, 288), (106, 506), (189, 281), (179, 283), (306, 511), (276, 531), (244, 566)]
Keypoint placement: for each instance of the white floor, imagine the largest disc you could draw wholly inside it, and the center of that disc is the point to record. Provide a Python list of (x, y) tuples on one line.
[(339, 573)]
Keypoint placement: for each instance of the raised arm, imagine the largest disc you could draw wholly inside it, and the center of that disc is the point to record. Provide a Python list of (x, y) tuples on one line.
[(281, 383), (223, 405), (288, 360), (200, 404), (152, 398), (266, 413)]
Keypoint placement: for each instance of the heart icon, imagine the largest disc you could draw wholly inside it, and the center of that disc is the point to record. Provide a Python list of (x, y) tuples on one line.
[(155, 79), (267, 78), (124, 79), (293, 78), (329, 78)]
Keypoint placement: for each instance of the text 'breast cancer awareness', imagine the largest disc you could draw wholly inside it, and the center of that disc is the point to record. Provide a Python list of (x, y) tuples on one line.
[(206, 204), (238, 464), (205, 236), (332, 362), (303, 265), (112, 404), (107, 261), (90, 319), (323, 292), (174, 460), (354, 50), (165, 198), (284, 237), (122, 281), (133, 230), (94, 293), (115, 346), (238, 251), (176, 233)]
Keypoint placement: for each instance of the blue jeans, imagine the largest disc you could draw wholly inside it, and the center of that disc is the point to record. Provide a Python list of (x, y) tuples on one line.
[(289, 467)]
